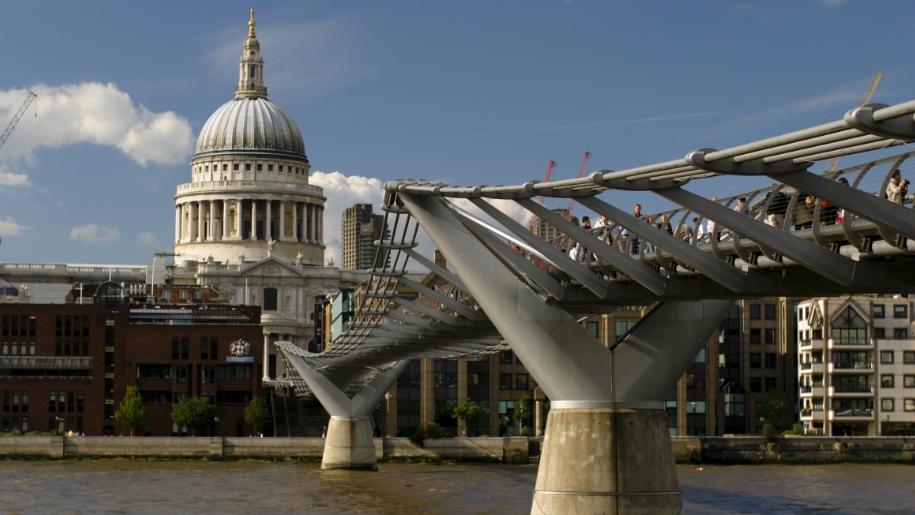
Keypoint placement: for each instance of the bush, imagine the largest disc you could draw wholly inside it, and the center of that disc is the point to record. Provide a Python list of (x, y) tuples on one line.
[(524, 432), (428, 430), (15, 432), (797, 429), (769, 432), (433, 430)]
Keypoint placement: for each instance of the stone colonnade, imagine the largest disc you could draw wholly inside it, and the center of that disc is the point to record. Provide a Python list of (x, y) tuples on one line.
[(233, 219)]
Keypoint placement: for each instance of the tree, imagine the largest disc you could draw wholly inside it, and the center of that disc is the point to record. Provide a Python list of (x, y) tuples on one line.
[(256, 413), (773, 407), (132, 413), (193, 412), (524, 410), (469, 412)]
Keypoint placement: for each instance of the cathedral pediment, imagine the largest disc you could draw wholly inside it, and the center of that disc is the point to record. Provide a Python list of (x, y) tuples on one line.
[(270, 267)]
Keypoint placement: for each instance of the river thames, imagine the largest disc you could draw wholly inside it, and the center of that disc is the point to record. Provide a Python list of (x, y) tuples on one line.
[(122, 486)]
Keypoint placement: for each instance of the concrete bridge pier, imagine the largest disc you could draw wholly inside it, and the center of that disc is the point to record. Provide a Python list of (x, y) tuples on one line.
[(607, 447), (348, 442)]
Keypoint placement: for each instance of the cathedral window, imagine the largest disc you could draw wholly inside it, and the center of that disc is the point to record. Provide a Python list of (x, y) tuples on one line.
[(225, 168), (247, 167), (269, 168), (235, 167), (281, 168), (269, 299), (259, 167)]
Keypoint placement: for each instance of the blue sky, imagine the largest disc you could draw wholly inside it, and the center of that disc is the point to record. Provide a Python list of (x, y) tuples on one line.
[(463, 92)]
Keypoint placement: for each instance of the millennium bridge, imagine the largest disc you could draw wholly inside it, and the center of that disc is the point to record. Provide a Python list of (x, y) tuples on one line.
[(606, 447)]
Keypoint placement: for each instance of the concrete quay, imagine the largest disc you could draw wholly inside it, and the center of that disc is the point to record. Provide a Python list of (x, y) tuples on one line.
[(794, 449)]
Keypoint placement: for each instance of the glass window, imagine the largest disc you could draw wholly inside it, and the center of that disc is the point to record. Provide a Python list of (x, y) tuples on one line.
[(879, 311), (910, 404), (755, 360), (900, 333), (270, 302), (886, 356), (771, 384), (593, 329), (208, 374), (755, 335), (756, 385), (522, 382), (879, 333), (771, 360), (182, 294), (887, 381), (505, 381), (770, 335), (900, 311), (849, 328), (700, 358), (770, 311), (908, 357), (180, 373), (505, 356), (755, 311), (887, 404), (908, 381)]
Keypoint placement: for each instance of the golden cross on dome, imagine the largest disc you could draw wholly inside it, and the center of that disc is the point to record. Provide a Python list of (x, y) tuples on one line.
[(251, 25)]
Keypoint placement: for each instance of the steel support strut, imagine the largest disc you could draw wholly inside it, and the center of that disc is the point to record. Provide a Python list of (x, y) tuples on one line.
[(607, 446), (349, 443)]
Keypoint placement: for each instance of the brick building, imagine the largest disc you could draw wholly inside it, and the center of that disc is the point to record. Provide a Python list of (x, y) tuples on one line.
[(69, 365)]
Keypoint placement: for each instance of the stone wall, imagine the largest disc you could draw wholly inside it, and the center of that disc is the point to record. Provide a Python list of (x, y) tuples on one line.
[(793, 449)]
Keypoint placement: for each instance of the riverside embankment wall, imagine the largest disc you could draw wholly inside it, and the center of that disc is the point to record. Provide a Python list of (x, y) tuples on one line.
[(731, 450)]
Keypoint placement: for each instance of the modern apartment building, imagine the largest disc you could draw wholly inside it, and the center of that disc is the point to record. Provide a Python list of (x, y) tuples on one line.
[(360, 230), (857, 366)]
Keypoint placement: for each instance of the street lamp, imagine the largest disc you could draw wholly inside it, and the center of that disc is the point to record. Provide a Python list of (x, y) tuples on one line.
[(695, 428)]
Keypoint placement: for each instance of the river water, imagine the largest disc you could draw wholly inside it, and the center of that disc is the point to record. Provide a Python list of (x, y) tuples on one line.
[(122, 486)]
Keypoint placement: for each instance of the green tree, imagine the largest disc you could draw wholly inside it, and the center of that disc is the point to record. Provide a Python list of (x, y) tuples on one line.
[(524, 410), (256, 413), (132, 413), (468, 412), (193, 413), (773, 407)]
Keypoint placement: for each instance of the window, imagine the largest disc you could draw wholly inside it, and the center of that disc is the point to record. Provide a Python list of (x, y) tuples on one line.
[(755, 360), (700, 358), (886, 357), (755, 335), (771, 384), (269, 168), (247, 167), (887, 381), (879, 333), (771, 360), (198, 295), (270, 299), (175, 346), (849, 328), (260, 167), (910, 404), (900, 311), (237, 372), (25, 401), (157, 397), (180, 373), (52, 402), (756, 385), (887, 404), (182, 294), (505, 381), (900, 333), (770, 311), (879, 311), (208, 374), (908, 357), (770, 335), (214, 344), (204, 348), (593, 329), (150, 371), (239, 398), (908, 381), (79, 401), (623, 328), (185, 347), (505, 356), (280, 168), (522, 382), (755, 311)]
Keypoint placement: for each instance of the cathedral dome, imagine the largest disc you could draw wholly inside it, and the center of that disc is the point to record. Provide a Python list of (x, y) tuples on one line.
[(250, 124)]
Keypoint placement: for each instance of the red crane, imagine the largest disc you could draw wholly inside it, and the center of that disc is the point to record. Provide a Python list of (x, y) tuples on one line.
[(581, 172), (535, 220)]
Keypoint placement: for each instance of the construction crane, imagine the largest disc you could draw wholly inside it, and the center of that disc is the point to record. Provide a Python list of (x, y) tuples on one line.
[(581, 172), (535, 220), (868, 93), (12, 126)]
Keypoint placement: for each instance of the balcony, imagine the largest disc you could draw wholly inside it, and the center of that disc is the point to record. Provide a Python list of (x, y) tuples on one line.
[(811, 344), (812, 391), (852, 391), (851, 343), (851, 414), (856, 367), (238, 186), (816, 368), (806, 343), (812, 414)]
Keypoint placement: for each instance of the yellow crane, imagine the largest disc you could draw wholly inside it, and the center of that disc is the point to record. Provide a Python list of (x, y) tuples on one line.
[(868, 93)]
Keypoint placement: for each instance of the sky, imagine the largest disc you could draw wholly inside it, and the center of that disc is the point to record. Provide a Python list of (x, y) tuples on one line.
[(460, 92)]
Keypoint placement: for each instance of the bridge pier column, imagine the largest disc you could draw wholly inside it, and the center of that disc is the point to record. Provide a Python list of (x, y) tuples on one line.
[(607, 447), (348, 443)]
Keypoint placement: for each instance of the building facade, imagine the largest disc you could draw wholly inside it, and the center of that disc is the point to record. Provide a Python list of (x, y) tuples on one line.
[(857, 366), (361, 228), (68, 366)]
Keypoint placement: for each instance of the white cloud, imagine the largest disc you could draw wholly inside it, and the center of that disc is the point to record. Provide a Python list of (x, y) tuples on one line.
[(95, 113), (310, 58), (833, 3), (342, 192), (13, 179), (146, 239), (9, 227), (94, 234)]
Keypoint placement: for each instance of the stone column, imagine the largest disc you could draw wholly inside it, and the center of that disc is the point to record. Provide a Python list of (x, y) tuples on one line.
[(303, 229), (254, 223), (177, 223), (321, 225), (311, 223), (282, 221), (201, 226), (225, 219), (268, 224), (192, 227), (266, 353), (211, 232), (238, 220)]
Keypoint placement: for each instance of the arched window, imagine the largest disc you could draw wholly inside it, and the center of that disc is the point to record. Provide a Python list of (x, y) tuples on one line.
[(849, 328), (269, 299)]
